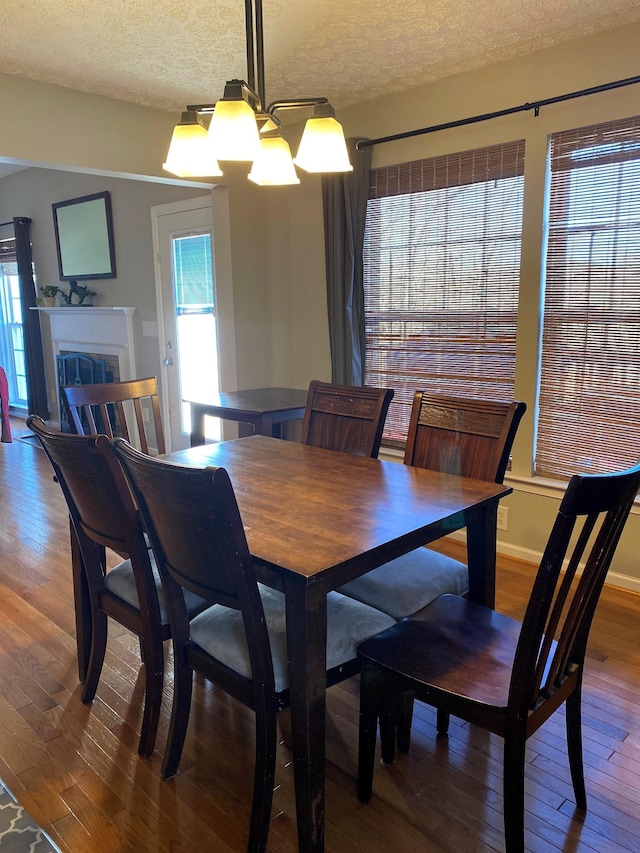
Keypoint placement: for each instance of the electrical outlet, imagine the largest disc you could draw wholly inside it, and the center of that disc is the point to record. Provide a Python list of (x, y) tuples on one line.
[(503, 517), (145, 418)]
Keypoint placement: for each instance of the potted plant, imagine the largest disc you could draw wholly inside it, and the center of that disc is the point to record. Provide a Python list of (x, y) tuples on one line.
[(49, 293)]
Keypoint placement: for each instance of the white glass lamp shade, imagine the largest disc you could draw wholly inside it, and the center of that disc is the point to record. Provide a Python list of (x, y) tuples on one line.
[(273, 167), (190, 154), (233, 131), (323, 147)]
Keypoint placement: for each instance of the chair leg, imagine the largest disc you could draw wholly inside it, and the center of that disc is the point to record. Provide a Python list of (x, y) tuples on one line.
[(96, 655), (404, 717), (182, 687), (513, 787), (442, 722), (82, 606), (573, 707), (388, 705), (370, 679), (264, 775), (153, 681)]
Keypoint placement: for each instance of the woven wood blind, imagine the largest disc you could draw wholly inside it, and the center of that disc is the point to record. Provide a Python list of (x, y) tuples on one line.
[(589, 410), (441, 274)]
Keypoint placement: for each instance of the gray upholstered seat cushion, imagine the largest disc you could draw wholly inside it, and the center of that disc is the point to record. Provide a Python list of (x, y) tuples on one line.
[(409, 583), (120, 582), (220, 632)]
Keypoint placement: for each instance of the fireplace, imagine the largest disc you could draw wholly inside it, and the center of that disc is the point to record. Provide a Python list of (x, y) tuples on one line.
[(92, 335)]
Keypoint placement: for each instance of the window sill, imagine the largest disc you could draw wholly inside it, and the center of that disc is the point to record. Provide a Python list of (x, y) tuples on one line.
[(391, 454), (543, 486), (548, 488)]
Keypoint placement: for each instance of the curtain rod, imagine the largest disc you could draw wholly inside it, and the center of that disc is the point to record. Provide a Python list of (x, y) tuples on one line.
[(2, 224), (534, 105)]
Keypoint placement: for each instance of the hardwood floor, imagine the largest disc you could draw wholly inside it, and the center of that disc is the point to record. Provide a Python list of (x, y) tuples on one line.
[(76, 770)]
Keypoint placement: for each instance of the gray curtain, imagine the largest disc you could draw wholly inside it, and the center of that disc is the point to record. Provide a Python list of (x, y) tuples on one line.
[(34, 362), (344, 198)]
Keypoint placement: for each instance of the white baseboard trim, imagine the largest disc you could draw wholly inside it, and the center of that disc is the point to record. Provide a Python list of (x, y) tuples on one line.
[(528, 555)]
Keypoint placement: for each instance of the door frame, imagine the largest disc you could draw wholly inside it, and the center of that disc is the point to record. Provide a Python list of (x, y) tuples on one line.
[(218, 202)]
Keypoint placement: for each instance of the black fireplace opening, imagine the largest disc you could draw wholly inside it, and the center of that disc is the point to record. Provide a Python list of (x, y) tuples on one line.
[(76, 368)]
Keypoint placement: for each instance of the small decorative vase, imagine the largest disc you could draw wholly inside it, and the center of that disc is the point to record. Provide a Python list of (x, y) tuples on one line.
[(49, 301)]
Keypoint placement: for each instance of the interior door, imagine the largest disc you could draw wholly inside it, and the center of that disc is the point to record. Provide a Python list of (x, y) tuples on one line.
[(187, 316)]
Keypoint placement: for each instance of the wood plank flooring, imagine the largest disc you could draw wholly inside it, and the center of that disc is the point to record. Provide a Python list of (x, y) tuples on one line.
[(76, 770)]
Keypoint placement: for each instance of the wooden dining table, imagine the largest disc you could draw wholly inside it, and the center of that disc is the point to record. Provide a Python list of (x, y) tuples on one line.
[(316, 519)]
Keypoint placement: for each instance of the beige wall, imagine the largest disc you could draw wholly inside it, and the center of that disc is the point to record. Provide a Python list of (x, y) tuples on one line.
[(277, 253), (60, 127)]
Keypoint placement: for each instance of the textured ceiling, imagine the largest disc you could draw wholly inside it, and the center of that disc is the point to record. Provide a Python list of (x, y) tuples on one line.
[(167, 53)]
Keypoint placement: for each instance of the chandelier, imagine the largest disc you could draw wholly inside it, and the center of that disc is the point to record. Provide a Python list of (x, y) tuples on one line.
[(243, 128)]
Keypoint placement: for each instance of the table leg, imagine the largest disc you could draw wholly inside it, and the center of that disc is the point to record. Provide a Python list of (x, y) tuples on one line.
[(197, 425), (482, 525), (306, 644), (82, 606), (265, 425)]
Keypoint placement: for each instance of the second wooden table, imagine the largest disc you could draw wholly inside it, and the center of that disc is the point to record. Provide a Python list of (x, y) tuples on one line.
[(263, 409)]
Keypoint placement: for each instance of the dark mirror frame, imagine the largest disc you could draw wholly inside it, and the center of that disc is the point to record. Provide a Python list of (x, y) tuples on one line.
[(84, 237)]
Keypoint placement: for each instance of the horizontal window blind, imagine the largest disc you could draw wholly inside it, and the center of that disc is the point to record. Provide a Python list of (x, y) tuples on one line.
[(8, 250), (441, 274), (589, 406)]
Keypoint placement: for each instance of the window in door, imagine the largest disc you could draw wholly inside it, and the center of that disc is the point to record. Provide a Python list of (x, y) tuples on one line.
[(441, 277), (589, 406), (195, 323)]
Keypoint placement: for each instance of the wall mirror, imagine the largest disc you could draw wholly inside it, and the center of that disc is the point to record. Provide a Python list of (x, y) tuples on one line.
[(84, 237)]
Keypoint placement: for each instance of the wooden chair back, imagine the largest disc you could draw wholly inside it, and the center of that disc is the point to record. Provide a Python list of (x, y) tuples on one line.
[(345, 418), (104, 407), (552, 643), (98, 499), (472, 438)]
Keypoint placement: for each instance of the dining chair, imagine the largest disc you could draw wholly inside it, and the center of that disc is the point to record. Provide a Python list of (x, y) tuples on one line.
[(239, 642), (5, 423), (454, 435), (345, 418), (503, 675), (102, 408), (103, 515)]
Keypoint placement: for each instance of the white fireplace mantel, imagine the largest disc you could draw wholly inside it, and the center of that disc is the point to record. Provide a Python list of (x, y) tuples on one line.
[(86, 329)]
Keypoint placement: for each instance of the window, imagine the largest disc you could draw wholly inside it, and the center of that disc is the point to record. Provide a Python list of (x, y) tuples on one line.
[(441, 274), (12, 355), (589, 406)]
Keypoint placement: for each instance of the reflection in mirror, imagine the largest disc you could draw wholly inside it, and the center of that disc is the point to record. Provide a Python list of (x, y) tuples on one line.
[(84, 237)]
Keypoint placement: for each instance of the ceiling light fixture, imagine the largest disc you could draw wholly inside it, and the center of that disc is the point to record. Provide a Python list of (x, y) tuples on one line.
[(190, 154), (273, 165), (243, 129)]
